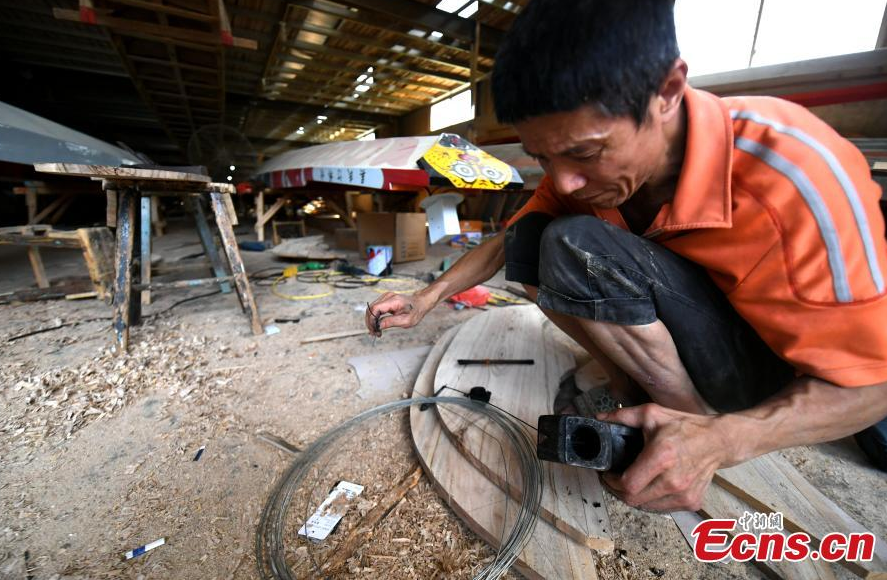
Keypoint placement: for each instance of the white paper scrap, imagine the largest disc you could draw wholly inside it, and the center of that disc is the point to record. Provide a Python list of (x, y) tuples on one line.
[(333, 509)]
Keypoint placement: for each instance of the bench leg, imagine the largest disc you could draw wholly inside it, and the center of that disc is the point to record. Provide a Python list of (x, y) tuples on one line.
[(123, 266), (241, 280), (37, 266), (145, 248), (209, 243)]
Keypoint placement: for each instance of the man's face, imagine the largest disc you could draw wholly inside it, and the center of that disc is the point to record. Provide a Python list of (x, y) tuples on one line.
[(594, 158)]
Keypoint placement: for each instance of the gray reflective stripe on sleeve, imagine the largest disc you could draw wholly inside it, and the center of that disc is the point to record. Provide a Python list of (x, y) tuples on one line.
[(862, 222), (817, 207)]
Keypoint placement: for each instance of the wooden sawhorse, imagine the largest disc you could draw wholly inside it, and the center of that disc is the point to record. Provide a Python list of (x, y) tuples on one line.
[(127, 187)]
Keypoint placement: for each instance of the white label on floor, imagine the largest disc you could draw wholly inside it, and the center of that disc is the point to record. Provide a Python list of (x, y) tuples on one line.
[(333, 508)]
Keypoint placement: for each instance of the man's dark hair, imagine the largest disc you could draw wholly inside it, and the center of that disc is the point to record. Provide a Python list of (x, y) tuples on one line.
[(562, 54)]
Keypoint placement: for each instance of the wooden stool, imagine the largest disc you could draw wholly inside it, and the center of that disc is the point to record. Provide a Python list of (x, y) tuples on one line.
[(128, 187)]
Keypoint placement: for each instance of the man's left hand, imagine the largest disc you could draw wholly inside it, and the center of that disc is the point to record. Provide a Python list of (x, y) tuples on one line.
[(681, 453)]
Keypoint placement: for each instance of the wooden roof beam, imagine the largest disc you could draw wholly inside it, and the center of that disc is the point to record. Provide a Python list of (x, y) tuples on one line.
[(126, 26), (323, 65), (425, 16), (308, 109), (370, 41), (373, 60), (166, 9), (384, 23)]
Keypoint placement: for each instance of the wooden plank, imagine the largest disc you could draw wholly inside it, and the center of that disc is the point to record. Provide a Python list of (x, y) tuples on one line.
[(770, 484), (720, 504), (334, 335), (241, 280), (181, 284), (43, 236), (572, 497), (37, 267), (127, 173), (145, 249), (98, 253), (482, 505), (123, 261)]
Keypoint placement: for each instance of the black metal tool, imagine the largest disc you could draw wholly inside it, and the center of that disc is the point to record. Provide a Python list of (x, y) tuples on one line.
[(495, 361), (587, 442)]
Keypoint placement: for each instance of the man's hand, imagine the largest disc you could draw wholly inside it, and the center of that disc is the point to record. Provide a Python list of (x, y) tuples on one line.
[(403, 311), (681, 453)]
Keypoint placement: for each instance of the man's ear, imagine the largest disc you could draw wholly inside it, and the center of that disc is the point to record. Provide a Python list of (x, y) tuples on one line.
[(671, 92)]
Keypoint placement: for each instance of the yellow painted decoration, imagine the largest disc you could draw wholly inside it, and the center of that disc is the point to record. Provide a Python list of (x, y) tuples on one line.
[(465, 165)]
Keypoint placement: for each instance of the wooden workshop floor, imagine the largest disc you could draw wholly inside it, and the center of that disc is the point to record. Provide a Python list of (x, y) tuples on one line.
[(96, 451)]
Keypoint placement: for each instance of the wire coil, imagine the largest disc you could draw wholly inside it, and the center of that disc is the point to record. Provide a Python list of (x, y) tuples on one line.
[(270, 548)]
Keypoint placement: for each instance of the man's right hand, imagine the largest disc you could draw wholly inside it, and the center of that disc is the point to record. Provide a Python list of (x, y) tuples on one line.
[(403, 310), (406, 310)]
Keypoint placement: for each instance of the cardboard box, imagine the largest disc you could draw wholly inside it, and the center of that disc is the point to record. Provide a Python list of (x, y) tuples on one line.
[(404, 232), (346, 239), (471, 226)]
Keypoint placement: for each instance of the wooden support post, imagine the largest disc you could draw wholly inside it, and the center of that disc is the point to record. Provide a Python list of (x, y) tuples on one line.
[(208, 241), (37, 266), (145, 247), (53, 208), (266, 217), (260, 209), (349, 202), (66, 201), (34, 253), (111, 208), (31, 201), (123, 266), (241, 280)]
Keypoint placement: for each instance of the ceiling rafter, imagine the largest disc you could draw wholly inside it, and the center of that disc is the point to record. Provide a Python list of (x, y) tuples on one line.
[(424, 16)]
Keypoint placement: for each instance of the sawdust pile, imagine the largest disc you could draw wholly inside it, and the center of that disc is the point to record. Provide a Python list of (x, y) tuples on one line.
[(50, 406), (419, 538)]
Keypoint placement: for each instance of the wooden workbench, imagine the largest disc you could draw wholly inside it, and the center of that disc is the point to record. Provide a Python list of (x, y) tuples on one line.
[(127, 187)]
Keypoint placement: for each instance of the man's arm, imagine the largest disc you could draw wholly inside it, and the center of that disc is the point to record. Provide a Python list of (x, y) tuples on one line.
[(682, 450), (475, 267)]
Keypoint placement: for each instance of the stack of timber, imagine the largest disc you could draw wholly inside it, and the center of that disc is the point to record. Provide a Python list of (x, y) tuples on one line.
[(478, 475)]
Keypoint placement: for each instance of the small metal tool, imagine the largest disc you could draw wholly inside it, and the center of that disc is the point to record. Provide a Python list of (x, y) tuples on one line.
[(377, 323), (586, 442)]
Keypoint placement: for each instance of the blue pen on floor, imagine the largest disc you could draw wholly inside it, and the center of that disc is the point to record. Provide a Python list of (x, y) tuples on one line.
[(199, 452), (142, 549)]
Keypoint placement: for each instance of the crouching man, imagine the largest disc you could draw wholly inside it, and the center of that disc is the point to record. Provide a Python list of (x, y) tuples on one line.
[(725, 256)]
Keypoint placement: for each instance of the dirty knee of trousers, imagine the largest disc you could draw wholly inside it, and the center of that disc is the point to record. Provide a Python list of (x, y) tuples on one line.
[(576, 260)]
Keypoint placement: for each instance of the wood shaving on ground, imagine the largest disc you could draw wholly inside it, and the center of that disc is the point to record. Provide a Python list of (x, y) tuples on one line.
[(49, 407)]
